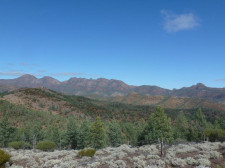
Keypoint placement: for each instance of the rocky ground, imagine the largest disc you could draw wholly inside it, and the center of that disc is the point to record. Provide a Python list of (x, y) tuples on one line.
[(199, 155)]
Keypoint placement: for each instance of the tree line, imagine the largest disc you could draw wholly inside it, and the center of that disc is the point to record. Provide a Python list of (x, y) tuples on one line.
[(76, 134)]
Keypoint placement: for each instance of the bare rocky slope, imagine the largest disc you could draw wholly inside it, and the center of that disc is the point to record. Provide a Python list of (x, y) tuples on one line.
[(195, 155)]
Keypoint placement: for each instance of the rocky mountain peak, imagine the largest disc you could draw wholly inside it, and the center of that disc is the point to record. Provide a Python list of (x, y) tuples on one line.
[(27, 76), (199, 86), (48, 79)]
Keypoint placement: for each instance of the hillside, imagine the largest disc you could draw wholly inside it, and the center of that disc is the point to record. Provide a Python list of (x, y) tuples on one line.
[(130, 108), (97, 88), (41, 99), (201, 91), (167, 101)]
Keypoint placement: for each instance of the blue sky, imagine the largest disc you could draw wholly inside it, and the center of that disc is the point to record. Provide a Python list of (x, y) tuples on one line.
[(171, 44)]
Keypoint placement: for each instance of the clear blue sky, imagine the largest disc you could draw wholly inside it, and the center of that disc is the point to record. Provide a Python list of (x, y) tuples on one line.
[(169, 43)]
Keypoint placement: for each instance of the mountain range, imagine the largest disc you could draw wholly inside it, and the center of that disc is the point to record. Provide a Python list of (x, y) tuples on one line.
[(102, 87)]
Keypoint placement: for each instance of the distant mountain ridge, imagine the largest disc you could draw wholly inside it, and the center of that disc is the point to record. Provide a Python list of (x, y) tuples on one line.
[(110, 88)]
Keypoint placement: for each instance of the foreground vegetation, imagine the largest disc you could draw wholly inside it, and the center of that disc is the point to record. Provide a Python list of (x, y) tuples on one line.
[(189, 155), (4, 157), (22, 128), (69, 133), (20, 124)]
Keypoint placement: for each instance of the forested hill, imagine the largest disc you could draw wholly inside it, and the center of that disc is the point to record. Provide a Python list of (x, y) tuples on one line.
[(167, 101), (71, 122), (49, 101)]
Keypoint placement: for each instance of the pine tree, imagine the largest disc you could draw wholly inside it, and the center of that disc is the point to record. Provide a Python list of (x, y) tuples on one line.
[(56, 136), (181, 126), (24, 134), (216, 124), (200, 123), (37, 134), (97, 134), (221, 121), (83, 135), (200, 118), (72, 133), (6, 132), (193, 132), (130, 133), (158, 128), (115, 134), (63, 139)]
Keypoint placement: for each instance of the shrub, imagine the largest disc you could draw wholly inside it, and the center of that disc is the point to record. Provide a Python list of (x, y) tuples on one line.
[(46, 145), (87, 152), (4, 157), (222, 166), (19, 145), (215, 135)]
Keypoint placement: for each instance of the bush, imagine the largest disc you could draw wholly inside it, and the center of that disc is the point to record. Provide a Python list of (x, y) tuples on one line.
[(46, 145), (223, 166), (87, 152), (215, 135), (4, 157), (19, 145)]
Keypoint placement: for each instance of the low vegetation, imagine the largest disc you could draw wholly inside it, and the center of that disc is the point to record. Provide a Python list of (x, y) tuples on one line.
[(215, 135), (4, 157), (87, 152), (222, 166), (186, 155), (19, 145), (46, 145)]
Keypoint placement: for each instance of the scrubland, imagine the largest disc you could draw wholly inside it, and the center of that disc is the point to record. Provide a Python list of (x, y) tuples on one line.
[(196, 155)]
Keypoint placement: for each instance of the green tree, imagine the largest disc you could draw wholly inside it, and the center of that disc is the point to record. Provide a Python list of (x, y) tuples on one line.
[(37, 134), (181, 126), (193, 132), (221, 121), (200, 123), (63, 139), (115, 134), (25, 133), (130, 133), (97, 134), (72, 133), (158, 128), (216, 124), (83, 135), (199, 118), (56, 136), (7, 132)]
